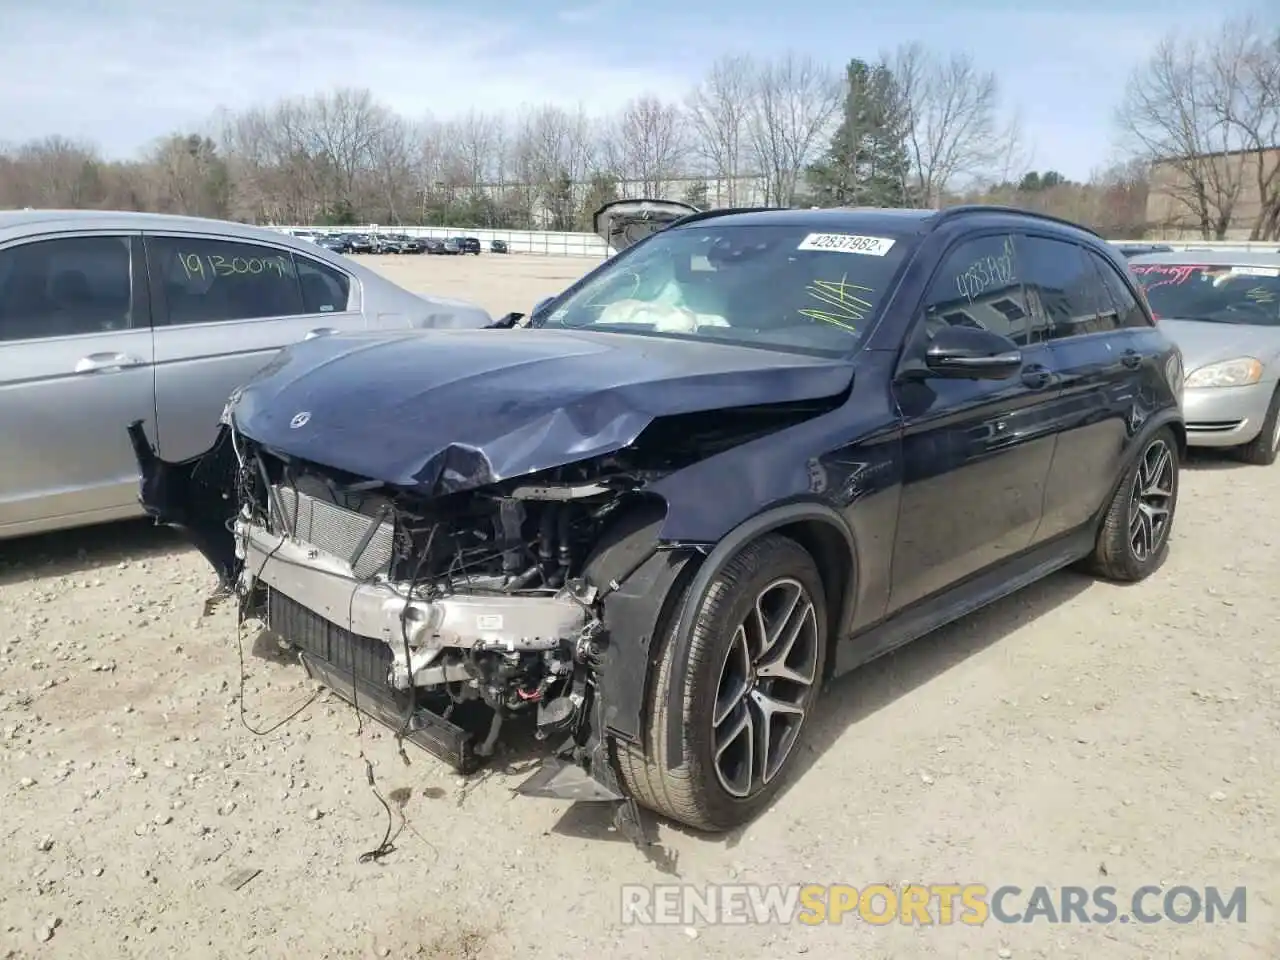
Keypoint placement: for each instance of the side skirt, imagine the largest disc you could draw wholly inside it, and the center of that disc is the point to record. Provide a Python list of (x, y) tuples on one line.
[(966, 597)]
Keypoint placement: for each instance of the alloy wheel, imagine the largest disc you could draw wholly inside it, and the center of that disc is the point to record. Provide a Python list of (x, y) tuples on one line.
[(1275, 435), (765, 687), (1151, 502)]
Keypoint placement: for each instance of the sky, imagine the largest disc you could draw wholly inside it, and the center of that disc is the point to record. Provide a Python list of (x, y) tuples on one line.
[(124, 72)]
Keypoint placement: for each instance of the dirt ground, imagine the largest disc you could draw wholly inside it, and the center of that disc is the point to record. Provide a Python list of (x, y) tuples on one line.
[(1077, 733)]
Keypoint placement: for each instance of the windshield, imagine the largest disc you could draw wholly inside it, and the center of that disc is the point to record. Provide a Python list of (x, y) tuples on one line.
[(768, 286), (1212, 293)]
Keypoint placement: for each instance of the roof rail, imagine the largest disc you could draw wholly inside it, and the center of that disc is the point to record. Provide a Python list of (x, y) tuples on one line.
[(722, 212), (965, 209)]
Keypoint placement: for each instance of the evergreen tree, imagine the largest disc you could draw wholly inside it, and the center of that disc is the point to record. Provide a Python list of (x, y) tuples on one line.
[(602, 188), (867, 163)]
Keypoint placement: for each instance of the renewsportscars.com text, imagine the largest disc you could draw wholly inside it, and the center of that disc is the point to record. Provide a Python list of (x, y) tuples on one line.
[(939, 904)]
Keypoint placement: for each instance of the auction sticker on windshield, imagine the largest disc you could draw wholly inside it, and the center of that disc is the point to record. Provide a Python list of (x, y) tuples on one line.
[(847, 243), (1256, 271)]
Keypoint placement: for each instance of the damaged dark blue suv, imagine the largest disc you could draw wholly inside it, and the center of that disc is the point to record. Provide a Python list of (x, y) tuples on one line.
[(751, 451)]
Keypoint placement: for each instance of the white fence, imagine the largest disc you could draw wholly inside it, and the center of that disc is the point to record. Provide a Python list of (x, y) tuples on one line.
[(555, 244), (548, 242)]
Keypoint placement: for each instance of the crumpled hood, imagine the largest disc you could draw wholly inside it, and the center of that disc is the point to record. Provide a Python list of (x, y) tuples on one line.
[(448, 410)]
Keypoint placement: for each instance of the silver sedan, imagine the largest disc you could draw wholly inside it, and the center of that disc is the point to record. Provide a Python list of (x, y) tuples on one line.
[(107, 318), (1222, 308)]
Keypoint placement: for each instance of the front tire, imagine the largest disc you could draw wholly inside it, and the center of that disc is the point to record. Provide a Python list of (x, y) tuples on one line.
[(756, 654), (1134, 538), (1263, 449)]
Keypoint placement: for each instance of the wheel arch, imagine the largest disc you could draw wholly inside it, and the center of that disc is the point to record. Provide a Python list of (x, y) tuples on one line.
[(1171, 420), (822, 533)]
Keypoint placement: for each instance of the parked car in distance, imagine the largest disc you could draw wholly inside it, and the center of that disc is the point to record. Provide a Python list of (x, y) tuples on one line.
[(468, 245), (451, 246), (335, 242), (359, 243), (400, 243), (498, 246), (1222, 308), (1138, 249), (759, 449), (106, 318), (433, 245)]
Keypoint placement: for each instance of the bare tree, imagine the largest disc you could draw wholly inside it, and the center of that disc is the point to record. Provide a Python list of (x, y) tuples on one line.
[(551, 157), (720, 111), (391, 161), (1177, 114), (953, 131), (475, 139), (188, 176), (1015, 154), (1245, 65), (646, 146), (795, 103), (342, 129), (58, 172)]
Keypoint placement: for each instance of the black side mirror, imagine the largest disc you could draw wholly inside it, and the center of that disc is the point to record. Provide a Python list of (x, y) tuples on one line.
[(970, 353)]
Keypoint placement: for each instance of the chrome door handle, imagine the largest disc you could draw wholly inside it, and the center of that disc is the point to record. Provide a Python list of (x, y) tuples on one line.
[(1037, 377), (319, 332), (102, 362)]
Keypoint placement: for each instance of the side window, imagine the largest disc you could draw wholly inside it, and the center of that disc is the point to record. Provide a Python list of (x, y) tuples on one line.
[(1065, 289), (207, 281), (66, 287), (324, 289), (1127, 307), (980, 285)]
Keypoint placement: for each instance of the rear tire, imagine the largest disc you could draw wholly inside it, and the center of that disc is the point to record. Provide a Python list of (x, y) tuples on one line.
[(1134, 538), (756, 657), (1263, 449)]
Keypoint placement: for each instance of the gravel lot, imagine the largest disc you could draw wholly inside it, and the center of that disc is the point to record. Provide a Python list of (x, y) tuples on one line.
[(1077, 733)]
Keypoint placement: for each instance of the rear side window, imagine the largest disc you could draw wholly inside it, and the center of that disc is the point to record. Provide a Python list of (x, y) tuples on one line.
[(70, 286), (1128, 310), (209, 281), (324, 289), (1065, 289)]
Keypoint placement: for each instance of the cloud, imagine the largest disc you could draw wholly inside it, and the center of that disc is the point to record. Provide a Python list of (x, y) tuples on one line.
[(122, 74)]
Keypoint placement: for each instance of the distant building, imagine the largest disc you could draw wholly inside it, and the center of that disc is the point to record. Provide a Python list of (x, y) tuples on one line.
[(1171, 217)]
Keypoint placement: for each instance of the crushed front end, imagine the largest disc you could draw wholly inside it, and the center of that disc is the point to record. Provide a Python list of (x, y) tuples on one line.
[(443, 617)]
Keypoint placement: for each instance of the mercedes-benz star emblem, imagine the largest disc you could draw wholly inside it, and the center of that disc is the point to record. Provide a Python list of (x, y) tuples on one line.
[(299, 420)]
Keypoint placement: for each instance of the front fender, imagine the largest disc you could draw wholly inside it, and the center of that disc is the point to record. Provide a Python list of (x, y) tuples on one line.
[(197, 496)]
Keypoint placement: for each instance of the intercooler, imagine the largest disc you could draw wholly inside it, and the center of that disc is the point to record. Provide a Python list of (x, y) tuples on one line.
[(361, 658), (356, 668)]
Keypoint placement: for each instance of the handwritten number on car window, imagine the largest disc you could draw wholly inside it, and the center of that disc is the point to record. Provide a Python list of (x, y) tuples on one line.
[(211, 265)]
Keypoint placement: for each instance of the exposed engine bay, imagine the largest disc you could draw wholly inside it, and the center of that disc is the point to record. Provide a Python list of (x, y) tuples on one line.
[(477, 596), (446, 616)]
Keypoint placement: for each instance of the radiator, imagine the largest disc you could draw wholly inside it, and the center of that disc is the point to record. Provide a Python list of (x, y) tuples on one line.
[(367, 543)]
